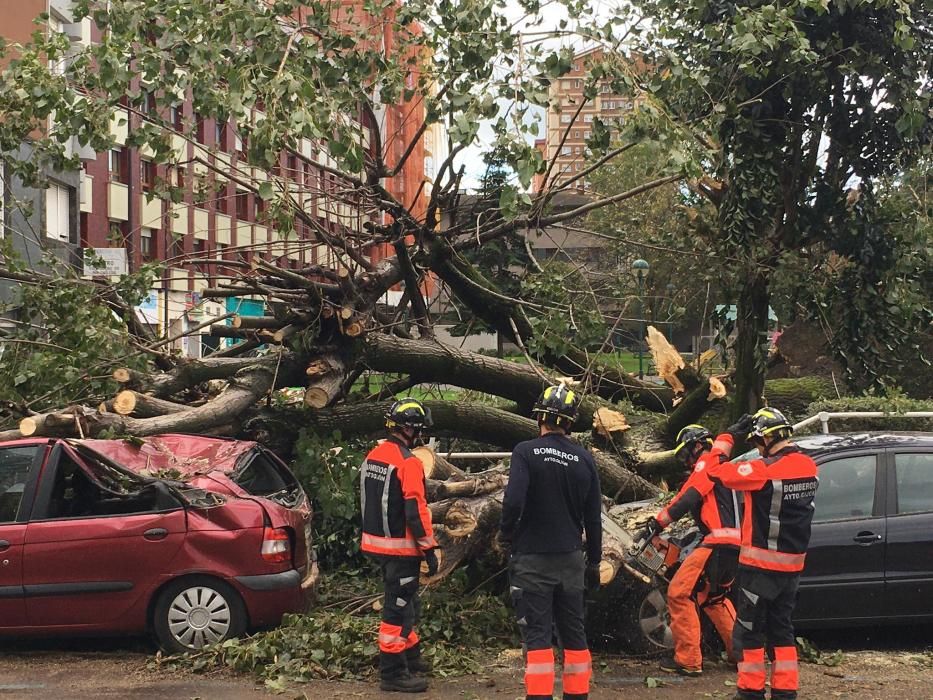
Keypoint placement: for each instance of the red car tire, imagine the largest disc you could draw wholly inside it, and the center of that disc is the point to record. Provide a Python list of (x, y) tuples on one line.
[(195, 611)]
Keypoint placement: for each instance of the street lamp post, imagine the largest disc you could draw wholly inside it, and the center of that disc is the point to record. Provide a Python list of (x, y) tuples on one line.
[(640, 268)]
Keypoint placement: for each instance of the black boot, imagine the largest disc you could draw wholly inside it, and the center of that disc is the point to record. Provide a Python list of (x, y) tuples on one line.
[(395, 677), (404, 684), (417, 664)]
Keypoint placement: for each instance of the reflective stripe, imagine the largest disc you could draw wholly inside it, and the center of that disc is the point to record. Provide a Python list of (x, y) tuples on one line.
[(385, 499), (767, 559), (390, 639), (774, 527), (726, 533), (363, 468), (581, 667), (427, 542), (539, 668), (777, 666), (389, 542), (391, 546), (407, 579), (747, 667)]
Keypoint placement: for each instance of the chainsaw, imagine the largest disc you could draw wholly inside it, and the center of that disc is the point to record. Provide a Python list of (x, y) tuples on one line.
[(655, 559)]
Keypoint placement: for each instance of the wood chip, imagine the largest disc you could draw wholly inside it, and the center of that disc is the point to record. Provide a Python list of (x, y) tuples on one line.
[(607, 421)]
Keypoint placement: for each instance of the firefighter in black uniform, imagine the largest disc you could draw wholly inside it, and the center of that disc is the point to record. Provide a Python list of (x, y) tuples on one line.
[(397, 533), (552, 497), (779, 489)]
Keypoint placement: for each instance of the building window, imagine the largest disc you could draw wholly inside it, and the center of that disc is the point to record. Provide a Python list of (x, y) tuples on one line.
[(118, 233), (180, 177), (604, 88), (259, 206), (200, 247), (291, 165), (176, 117), (147, 174), (565, 118), (219, 134), (201, 190), (565, 168), (118, 166), (576, 84), (576, 166), (242, 206), (178, 247), (565, 150), (220, 199), (576, 150), (586, 135), (576, 133), (576, 67), (145, 243), (587, 118), (58, 213), (147, 103)]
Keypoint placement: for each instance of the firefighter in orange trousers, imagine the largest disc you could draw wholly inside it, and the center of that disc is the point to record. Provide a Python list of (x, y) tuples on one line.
[(397, 533), (706, 575), (779, 489), (552, 497)]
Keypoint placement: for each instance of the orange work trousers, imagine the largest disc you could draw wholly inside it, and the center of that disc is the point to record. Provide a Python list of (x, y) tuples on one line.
[(686, 594)]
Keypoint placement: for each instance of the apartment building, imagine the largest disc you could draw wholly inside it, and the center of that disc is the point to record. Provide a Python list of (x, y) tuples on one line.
[(571, 117), (111, 204), (33, 220)]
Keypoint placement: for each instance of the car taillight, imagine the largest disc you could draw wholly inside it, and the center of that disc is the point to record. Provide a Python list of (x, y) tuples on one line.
[(276, 545)]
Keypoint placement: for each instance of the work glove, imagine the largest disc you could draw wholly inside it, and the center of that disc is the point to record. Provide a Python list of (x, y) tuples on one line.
[(740, 429), (591, 577), (651, 528), (430, 558)]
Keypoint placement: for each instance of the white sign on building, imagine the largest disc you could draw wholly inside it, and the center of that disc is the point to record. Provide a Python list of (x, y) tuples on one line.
[(104, 262)]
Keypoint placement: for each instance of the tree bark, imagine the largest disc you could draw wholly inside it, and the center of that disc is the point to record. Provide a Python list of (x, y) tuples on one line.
[(751, 325), (472, 421), (243, 391)]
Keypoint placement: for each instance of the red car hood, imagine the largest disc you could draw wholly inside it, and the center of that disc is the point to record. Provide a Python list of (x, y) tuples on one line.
[(189, 456)]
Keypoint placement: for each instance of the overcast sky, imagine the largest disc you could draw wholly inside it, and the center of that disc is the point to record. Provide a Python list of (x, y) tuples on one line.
[(550, 17)]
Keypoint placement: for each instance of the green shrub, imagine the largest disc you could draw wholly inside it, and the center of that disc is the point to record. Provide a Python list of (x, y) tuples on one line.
[(329, 470), (460, 629)]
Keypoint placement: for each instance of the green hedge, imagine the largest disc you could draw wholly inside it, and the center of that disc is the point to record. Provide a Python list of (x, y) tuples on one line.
[(891, 404)]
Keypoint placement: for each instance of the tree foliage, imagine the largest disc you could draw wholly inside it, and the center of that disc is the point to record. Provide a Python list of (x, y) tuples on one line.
[(794, 106)]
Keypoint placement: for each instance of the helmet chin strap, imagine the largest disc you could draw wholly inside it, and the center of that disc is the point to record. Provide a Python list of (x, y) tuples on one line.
[(766, 446)]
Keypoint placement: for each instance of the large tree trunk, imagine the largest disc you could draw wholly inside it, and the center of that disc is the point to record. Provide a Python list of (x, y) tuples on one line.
[(472, 421), (751, 342)]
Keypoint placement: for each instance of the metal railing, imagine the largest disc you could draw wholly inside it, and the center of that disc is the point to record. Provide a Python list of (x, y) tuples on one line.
[(823, 417)]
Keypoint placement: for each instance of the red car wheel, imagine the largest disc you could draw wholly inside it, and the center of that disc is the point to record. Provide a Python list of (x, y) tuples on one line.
[(193, 612)]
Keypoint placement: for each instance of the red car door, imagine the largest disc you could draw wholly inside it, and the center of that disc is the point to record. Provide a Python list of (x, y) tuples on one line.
[(20, 465), (93, 553)]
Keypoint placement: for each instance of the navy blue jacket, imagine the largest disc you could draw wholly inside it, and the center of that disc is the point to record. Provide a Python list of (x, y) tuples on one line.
[(552, 497)]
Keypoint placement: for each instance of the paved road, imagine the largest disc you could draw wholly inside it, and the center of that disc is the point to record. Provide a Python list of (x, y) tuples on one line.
[(877, 666)]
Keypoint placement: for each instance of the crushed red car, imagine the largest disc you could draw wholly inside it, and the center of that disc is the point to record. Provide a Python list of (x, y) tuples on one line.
[(192, 539)]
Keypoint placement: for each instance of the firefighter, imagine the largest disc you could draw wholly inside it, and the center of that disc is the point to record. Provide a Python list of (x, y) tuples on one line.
[(397, 534), (551, 499), (706, 575), (779, 489)]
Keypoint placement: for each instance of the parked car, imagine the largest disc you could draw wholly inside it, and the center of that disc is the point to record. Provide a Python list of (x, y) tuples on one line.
[(870, 559), (192, 539)]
